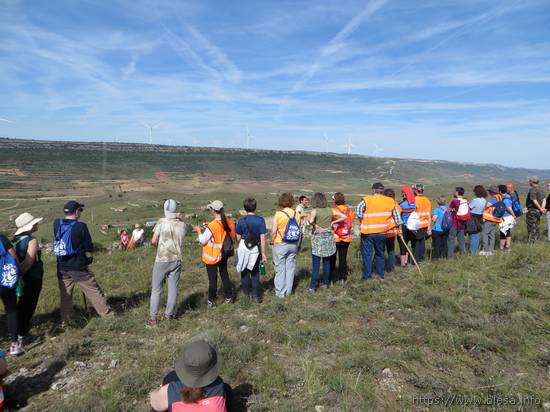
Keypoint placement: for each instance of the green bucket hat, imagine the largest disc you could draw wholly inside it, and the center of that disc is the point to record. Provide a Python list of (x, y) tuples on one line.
[(197, 364)]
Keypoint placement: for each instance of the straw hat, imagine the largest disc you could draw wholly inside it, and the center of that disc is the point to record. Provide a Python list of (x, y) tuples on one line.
[(25, 222), (137, 226)]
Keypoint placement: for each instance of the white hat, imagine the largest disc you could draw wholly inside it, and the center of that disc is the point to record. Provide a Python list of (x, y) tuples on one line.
[(170, 209), (25, 222), (216, 205)]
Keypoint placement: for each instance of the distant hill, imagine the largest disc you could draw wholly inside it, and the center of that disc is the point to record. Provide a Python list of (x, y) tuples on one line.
[(39, 164)]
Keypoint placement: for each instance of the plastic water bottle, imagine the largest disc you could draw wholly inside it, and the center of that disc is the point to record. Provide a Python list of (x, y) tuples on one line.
[(262, 268), (19, 289)]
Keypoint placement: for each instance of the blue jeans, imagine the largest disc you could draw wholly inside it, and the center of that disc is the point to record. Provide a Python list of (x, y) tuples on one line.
[(315, 268), (474, 243), (372, 246)]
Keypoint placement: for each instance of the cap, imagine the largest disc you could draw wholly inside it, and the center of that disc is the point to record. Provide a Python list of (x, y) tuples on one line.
[(71, 206), (493, 189), (378, 186), (216, 205), (170, 208), (419, 187)]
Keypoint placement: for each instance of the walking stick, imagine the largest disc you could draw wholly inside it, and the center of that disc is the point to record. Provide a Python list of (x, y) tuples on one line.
[(411, 255)]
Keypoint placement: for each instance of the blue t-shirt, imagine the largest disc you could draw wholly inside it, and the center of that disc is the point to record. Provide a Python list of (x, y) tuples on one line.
[(507, 199), (255, 223), (406, 205), (439, 212), (477, 206)]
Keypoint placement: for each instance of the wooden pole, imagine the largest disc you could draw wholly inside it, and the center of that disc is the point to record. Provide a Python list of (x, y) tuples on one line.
[(411, 255)]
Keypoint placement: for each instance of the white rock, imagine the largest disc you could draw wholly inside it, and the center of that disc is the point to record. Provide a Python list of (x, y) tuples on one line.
[(114, 364)]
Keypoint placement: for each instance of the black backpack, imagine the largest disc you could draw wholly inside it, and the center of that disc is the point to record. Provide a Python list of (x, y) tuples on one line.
[(227, 246), (251, 240)]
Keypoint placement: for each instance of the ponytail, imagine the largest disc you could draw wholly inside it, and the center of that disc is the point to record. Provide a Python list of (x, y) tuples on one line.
[(192, 395), (224, 222)]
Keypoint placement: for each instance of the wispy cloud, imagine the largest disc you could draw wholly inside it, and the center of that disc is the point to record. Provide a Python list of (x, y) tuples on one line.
[(5, 120)]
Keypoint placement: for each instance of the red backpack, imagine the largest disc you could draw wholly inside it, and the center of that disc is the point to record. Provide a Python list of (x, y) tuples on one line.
[(343, 228), (463, 212)]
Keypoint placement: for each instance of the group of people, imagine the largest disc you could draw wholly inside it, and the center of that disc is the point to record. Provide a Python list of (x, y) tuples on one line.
[(129, 242), (331, 225)]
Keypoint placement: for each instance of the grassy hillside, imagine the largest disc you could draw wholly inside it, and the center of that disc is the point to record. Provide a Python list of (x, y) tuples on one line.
[(472, 326)]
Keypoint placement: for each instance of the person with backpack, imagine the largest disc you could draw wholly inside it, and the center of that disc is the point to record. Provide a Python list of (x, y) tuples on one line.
[(508, 219), (474, 226), (342, 224), (168, 235), (546, 209), (9, 279), (407, 207), (378, 215), (285, 238), (217, 248), (251, 231), (31, 270), (460, 212), (439, 233), (534, 209), (492, 216), (323, 244), (424, 211), (391, 235), (71, 245)]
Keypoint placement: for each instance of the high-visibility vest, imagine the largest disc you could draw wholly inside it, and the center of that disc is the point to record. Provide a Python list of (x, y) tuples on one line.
[(393, 232), (342, 209), (424, 211), (212, 251), (378, 215), (488, 212)]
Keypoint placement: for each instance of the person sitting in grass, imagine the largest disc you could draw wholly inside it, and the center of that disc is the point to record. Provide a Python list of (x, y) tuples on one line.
[(168, 235), (251, 232), (194, 385)]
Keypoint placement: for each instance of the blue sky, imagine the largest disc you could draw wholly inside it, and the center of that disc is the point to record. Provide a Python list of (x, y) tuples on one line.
[(461, 80)]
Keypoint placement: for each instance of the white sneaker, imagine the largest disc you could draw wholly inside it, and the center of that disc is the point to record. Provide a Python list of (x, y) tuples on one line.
[(16, 349)]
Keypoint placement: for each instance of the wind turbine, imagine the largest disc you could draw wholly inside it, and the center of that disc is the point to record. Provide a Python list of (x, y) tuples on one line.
[(327, 141), (247, 138), (349, 145), (377, 151), (151, 127)]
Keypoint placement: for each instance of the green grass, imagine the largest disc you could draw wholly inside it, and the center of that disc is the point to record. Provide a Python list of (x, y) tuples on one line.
[(472, 326)]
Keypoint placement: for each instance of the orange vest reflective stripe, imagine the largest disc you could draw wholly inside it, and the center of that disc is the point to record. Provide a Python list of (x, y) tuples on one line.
[(212, 251), (378, 215), (488, 212), (424, 211)]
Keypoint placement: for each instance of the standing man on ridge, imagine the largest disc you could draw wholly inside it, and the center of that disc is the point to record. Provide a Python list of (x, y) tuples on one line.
[(72, 242), (534, 209), (378, 214), (424, 211)]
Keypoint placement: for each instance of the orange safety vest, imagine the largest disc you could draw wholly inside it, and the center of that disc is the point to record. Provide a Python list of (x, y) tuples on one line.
[(488, 212), (342, 209), (393, 232), (212, 251), (378, 214), (424, 210)]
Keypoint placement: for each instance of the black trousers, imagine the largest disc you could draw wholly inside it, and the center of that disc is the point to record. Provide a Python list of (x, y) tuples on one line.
[(250, 279), (342, 256), (9, 299), (26, 305), (212, 271), (439, 245)]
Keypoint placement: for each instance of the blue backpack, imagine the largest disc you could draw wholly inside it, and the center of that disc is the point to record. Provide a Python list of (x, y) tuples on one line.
[(447, 221), (9, 269), (292, 232), (63, 244), (499, 209), (516, 207)]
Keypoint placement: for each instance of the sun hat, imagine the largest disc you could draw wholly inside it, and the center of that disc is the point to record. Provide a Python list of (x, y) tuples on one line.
[(197, 364), (25, 222), (216, 205), (137, 226), (493, 189), (71, 206), (170, 206)]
